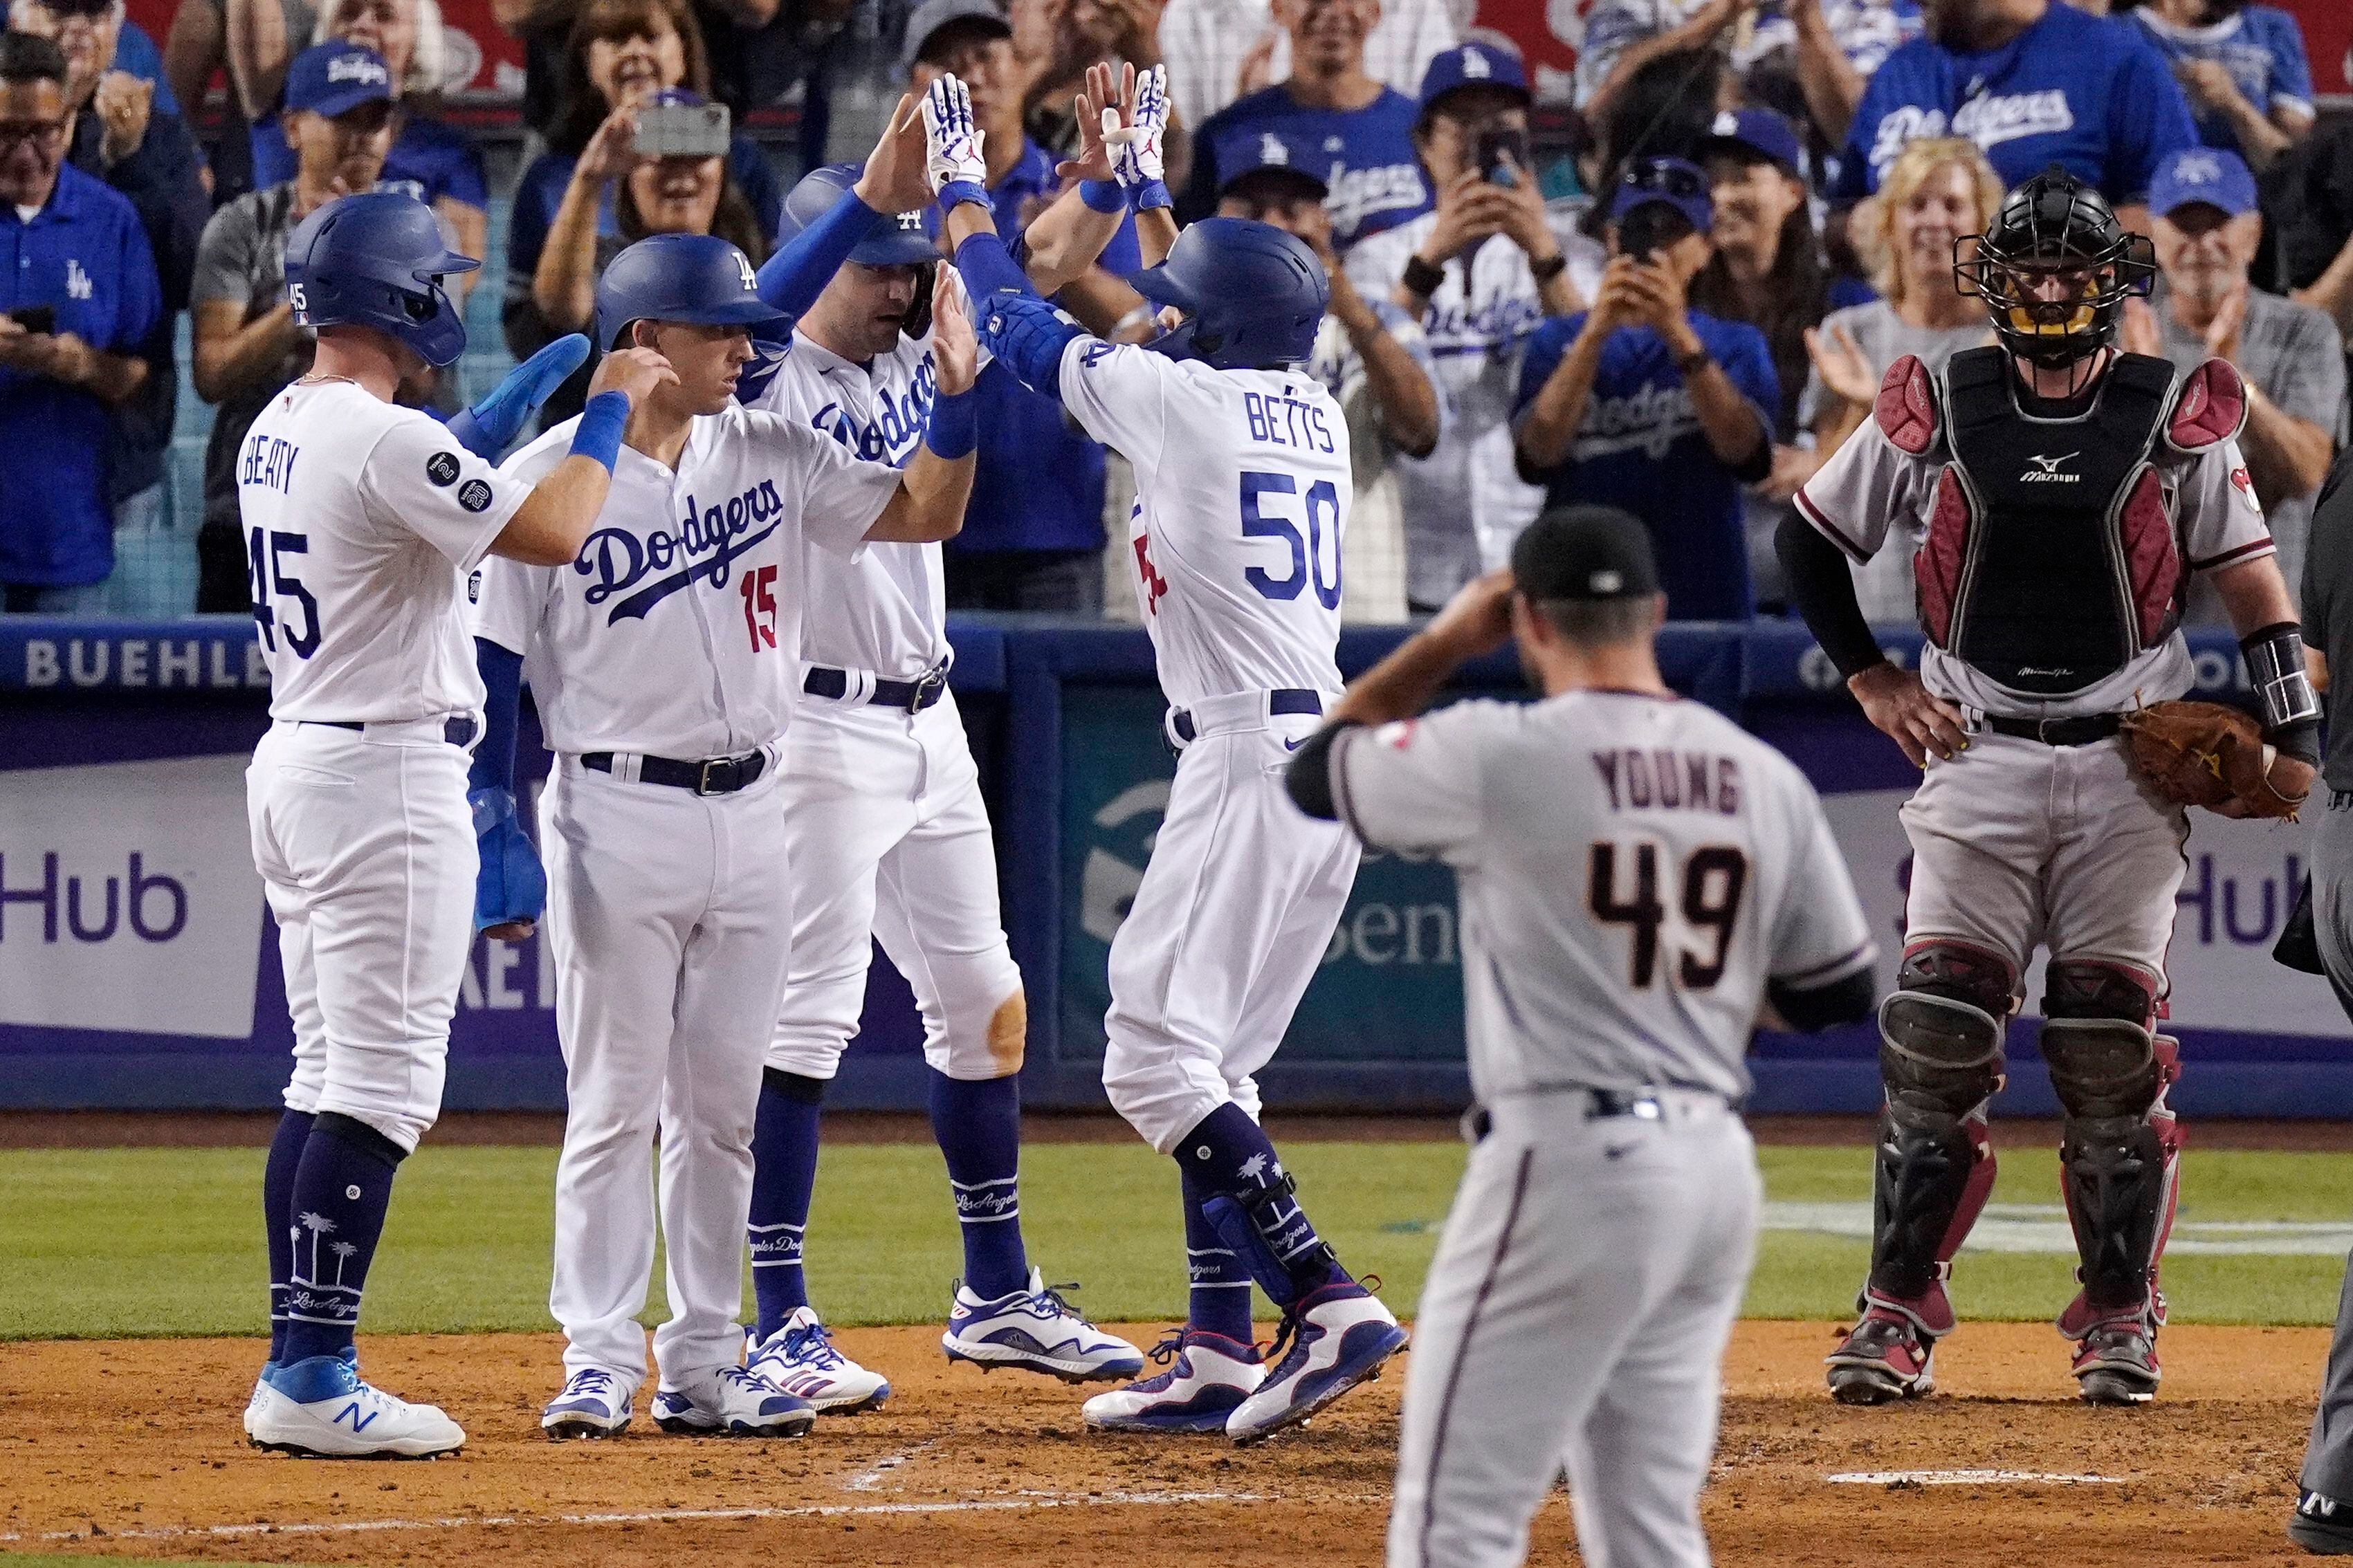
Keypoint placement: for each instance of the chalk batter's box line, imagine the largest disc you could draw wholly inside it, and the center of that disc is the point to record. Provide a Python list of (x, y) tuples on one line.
[(659, 1516)]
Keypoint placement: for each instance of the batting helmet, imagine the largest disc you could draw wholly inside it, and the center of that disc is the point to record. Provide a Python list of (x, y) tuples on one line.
[(897, 240), (377, 260), (2054, 269), (1251, 294), (678, 277)]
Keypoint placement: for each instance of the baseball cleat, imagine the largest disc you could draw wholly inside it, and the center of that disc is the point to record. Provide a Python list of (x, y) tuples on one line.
[(1339, 1335), (260, 1398), (729, 1401), (322, 1409), (2115, 1364), (1211, 1377), (594, 1404), (2322, 1525), (1036, 1328), (1883, 1358), (800, 1359)]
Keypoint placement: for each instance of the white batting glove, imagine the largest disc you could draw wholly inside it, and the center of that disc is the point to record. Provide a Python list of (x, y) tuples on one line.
[(952, 143), (1136, 148)]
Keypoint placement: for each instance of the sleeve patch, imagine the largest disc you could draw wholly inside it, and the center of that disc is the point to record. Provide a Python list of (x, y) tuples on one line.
[(2209, 408), (1907, 406), (1399, 736)]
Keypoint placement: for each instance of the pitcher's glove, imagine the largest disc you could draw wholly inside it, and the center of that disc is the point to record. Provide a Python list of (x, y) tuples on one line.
[(2204, 754)]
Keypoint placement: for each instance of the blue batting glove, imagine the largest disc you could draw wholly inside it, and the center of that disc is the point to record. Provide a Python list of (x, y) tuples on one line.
[(510, 885), (490, 427)]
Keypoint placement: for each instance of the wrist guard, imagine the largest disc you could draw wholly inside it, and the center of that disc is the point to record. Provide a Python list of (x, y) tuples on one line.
[(2290, 708)]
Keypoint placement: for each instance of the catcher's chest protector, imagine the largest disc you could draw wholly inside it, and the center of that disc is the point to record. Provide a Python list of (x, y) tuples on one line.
[(2050, 560)]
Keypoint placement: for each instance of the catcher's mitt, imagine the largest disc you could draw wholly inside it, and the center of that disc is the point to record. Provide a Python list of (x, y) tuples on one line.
[(2204, 754)]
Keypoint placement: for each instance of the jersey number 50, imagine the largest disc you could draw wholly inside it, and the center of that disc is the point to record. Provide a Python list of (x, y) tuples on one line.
[(1322, 506), (1713, 880)]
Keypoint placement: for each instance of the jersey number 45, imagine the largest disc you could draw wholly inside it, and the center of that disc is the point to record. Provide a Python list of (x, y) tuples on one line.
[(1713, 880)]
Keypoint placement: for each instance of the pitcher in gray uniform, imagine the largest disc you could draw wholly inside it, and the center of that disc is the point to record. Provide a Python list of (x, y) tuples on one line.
[(1638, 878), (2324, 1508)]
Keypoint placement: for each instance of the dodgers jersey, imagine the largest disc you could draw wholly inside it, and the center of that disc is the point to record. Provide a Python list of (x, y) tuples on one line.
[(677, 631), (1856, 499), (2086, 93), (362, 519), (883, 611), (1242, 490), (1633, 870)]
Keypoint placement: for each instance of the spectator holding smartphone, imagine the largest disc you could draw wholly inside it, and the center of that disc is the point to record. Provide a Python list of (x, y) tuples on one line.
[(338, 118), (74, 310), (2244, 69), (1645, 403), (1479, 273)]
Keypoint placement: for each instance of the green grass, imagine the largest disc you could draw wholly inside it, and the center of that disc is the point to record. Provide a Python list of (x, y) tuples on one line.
[(160, 1242)]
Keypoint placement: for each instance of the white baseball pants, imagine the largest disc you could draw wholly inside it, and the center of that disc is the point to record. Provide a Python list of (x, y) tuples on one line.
[(1576, 1315), (367, 850), (669, 918), (2016, 843), (1235, 912), (890, 842)]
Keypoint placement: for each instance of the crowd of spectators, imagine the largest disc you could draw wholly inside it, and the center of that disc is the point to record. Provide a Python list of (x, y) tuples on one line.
[(1676, 293)]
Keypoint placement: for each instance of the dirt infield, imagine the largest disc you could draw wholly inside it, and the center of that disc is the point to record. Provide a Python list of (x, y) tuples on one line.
[(133, 1448)]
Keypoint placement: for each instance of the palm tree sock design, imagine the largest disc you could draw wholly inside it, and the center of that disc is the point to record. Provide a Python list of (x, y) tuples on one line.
[(1228, 1156), (341, 1187), (277, 1216)]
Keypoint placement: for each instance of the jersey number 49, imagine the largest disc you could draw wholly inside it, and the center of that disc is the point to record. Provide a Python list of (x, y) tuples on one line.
[(1713, 880)]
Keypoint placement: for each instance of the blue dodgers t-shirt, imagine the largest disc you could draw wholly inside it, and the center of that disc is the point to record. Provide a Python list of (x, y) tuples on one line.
[(428, 161), (2262, 48), (1640, 447), (136, 53), (85, 257), (1364, 156), (2081, 91), (1038, 481), (540, 191)]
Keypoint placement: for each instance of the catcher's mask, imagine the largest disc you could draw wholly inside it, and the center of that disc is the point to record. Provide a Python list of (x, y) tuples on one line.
[(2054, 269)]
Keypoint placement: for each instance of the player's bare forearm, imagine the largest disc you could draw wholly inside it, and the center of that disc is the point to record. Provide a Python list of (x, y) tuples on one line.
[(1101, 302), (1065, 241), (965, 219), (2286, 456), (1474, 622), (1156, 233), (2254, 593), (230, 354), (1551, 422), (553, 521), (930, 505)]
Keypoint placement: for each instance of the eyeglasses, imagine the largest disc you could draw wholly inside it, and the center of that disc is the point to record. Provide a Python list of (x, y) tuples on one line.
[(1665, 179), (44, 134)]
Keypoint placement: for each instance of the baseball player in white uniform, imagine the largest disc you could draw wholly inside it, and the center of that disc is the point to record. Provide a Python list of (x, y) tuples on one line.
[(888, 835), (665, 660), (2065, 492), (1638, 878), (362, 519), (1242, 473)]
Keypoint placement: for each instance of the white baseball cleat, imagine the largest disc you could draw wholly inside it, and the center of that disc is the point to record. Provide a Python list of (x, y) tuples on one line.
[(800, 1359), (324, 1409), (595, 1404), (263, 1396), (730, 1402), (1211, 1376), (1338, 1337), (1036, 1328)]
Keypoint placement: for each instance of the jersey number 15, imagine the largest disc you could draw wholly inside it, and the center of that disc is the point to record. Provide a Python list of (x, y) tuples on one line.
[(1713, 880)]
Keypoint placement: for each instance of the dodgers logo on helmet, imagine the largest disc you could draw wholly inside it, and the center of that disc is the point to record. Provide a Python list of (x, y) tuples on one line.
[(896, 239), (376, 260), (695, 277)]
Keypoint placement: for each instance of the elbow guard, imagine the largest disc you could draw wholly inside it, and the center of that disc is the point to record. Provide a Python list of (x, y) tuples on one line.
[(1027, 335), (1847, 1001), (2290, 708), (1308, 779)]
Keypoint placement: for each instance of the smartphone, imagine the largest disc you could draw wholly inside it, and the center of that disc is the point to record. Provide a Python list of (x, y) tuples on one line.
[(1650, 228), (1503, 154), (35, 318), (683, 130)]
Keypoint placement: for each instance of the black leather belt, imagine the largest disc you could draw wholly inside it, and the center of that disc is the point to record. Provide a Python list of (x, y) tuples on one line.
[(457, 731), (713, 775), (1288, 700), (915, 696), (2081, 731)]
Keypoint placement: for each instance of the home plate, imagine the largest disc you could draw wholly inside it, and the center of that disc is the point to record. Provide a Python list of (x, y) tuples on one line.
[(1967, 1479)]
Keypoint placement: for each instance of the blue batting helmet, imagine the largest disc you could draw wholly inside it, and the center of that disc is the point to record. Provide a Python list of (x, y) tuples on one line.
[(896, 239), (678, 277), (1253, 295), (377, 260)]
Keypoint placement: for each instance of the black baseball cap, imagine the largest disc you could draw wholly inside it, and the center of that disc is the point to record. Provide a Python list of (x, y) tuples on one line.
[(1585, 552)]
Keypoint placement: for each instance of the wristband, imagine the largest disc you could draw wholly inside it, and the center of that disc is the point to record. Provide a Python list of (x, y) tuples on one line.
[(1105, 196), (959, 192), (954, 427), (1550, 268), (598, 434), (1421, 278), (1152, 195)]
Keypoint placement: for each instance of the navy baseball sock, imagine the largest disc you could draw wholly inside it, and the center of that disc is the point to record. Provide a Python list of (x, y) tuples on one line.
[(1221, 1297), (277, 1216), (979, 1126), (341, 1187), (1229, 1157), (784, 1174)]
